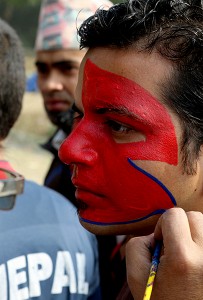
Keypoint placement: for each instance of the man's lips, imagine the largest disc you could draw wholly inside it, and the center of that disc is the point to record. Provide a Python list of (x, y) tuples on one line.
[(57, 104), (90, 199), (86, 194)]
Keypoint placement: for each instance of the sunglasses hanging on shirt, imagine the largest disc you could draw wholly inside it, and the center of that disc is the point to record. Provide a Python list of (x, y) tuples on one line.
[(11, 185)]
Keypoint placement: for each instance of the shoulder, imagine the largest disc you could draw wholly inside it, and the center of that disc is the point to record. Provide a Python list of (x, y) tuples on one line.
[(43, 198), (33, 188), (50, 205), (46, 203)]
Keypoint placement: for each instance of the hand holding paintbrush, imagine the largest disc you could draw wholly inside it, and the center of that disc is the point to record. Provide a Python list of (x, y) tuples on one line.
[(180, 272)]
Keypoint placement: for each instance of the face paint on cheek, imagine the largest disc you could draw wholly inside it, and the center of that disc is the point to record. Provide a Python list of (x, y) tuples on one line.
[(129, 193), (133, 195)]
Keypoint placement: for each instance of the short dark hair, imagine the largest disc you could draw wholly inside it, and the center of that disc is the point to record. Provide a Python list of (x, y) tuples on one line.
[(174, 28), (12, 78)]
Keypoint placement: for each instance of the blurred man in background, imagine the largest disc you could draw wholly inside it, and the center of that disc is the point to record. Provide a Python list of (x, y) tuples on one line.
[(45, 253), (57, 60)]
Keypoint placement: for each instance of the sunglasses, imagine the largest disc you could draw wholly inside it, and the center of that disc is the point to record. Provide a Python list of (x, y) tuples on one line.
[(11, 185)]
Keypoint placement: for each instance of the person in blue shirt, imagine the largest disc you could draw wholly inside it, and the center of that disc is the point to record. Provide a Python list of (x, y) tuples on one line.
[(45, 253)]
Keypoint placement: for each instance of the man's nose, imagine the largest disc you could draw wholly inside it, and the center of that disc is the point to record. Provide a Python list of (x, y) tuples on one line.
[(78, 148), (54, 82)]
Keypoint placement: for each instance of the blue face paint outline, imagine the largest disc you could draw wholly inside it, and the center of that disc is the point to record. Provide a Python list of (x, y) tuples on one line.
[(156, 212)]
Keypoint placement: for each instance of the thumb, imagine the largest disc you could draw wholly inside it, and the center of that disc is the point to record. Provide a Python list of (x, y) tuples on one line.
[(138, 261)]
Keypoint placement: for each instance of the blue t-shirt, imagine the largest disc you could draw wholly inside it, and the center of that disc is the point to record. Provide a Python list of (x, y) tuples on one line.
[(44, 251)]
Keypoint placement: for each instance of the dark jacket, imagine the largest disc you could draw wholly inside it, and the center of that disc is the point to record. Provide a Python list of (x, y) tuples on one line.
[(58, 177)]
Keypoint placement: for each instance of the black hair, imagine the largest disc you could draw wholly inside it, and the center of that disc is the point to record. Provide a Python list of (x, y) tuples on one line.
[(12, 78), (174, 28)]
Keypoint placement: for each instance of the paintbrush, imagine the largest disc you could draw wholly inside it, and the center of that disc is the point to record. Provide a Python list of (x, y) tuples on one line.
[(153, 270)]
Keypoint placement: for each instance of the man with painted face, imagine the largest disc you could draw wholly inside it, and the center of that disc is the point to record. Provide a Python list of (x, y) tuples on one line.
[(45, 253), (137, 138)]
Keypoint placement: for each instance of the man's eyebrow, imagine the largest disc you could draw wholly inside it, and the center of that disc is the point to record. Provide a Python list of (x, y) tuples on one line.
[(58, 63), (38, 62), (121, 110), (70, 63), (76, 109)]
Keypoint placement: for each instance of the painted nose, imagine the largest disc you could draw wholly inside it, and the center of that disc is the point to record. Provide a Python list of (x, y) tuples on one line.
[(78, 149)]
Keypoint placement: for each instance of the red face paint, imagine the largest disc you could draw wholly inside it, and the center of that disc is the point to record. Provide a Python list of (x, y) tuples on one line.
[(108, 178)]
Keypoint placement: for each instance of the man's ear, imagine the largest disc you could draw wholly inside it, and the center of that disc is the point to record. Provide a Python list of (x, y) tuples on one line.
[(201, 149), (200, 167), (201, 152), (200, 158)]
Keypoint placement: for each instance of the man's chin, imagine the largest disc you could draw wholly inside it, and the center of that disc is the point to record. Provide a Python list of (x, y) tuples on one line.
[(62, 119), (144, 227), (53, 117)]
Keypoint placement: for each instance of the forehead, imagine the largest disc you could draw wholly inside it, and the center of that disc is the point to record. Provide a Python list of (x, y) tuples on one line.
[(49, 57), (149, 71)]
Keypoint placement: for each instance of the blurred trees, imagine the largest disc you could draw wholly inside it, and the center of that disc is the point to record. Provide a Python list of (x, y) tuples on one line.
[(8, 6), (23, 16)]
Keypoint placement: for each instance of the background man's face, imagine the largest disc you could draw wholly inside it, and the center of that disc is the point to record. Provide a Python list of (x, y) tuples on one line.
[(57, 79), (125, 144)]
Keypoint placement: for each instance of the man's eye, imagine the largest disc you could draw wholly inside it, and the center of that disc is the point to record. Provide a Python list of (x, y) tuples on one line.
[(118, 127), (42, 69), (67, 68), (123, 133)]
